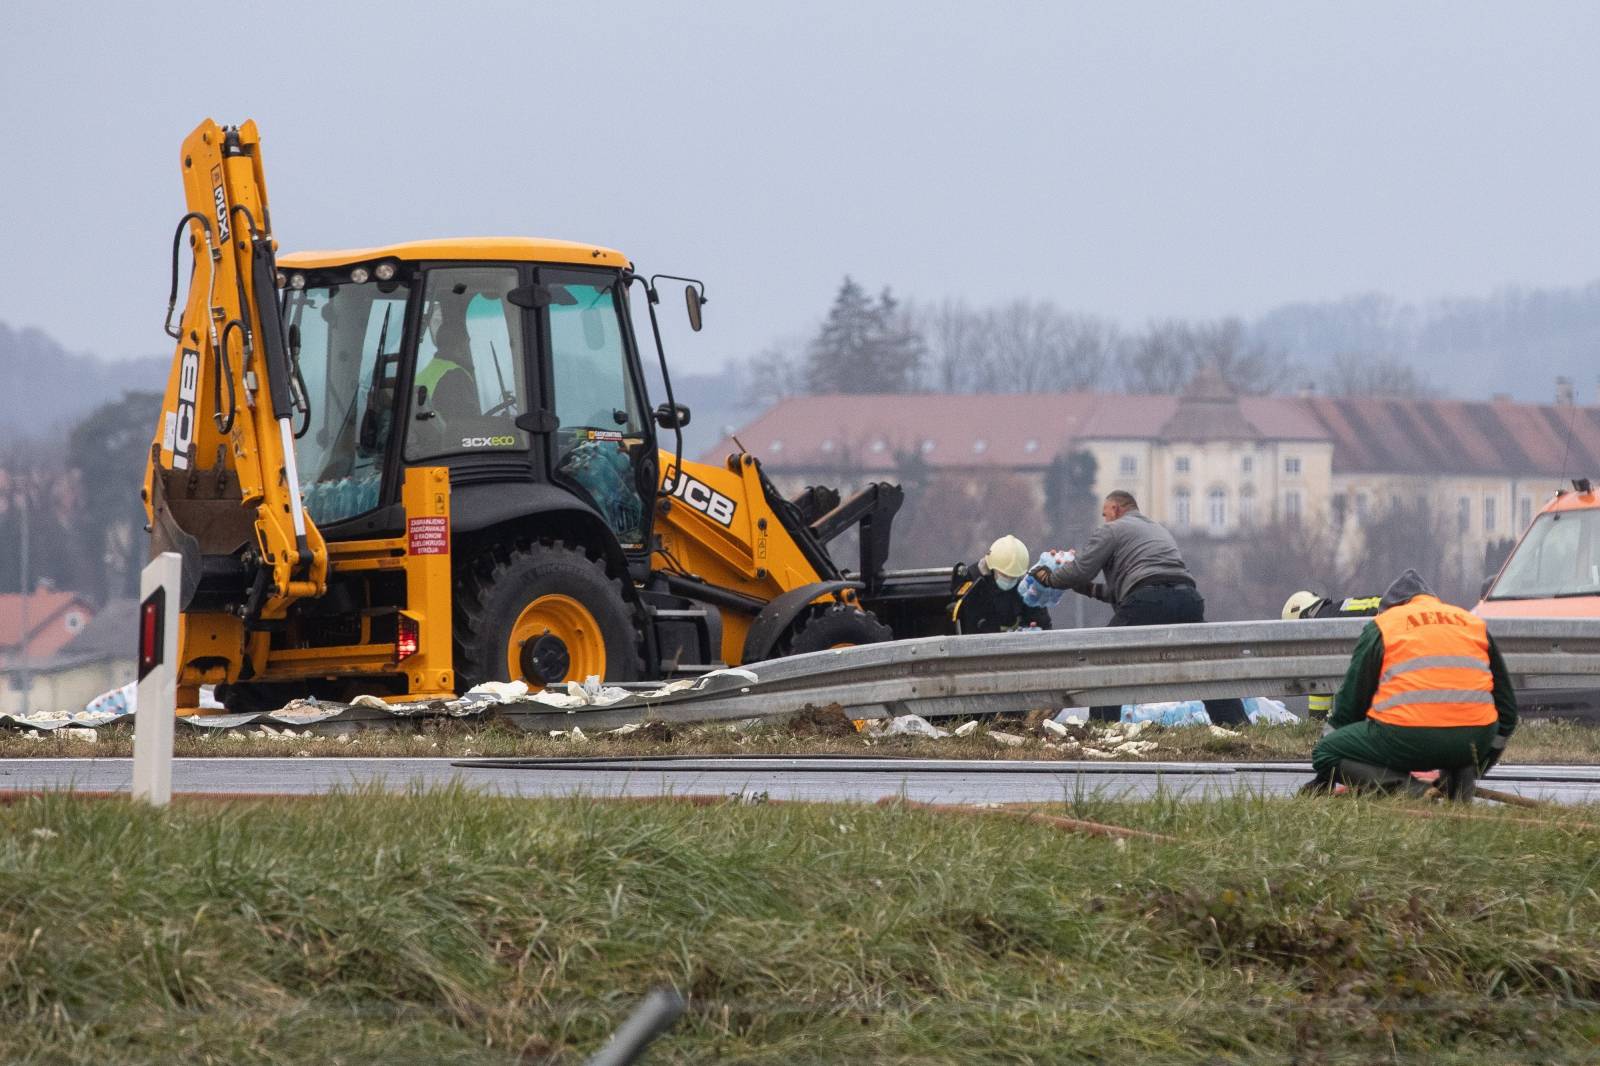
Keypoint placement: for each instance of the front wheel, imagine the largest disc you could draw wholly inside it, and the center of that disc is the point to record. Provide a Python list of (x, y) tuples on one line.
[(542, 613), (837, 625)]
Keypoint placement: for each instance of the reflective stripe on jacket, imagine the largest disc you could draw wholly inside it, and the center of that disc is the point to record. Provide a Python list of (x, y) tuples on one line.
[(1435, 667), (430, 373)]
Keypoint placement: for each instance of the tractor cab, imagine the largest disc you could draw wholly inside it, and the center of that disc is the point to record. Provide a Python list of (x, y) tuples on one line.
[(504, 360)]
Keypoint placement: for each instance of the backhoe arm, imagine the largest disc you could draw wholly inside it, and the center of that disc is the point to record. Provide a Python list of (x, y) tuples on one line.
[(222, 486)]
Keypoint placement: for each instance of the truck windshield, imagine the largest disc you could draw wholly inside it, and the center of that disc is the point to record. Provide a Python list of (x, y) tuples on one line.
[(1560, 556), (349, 351)]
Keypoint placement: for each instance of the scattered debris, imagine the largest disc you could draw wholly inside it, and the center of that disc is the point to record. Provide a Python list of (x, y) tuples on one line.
[(966, 729), (908, 725), (1053, 728), (1008, 740)]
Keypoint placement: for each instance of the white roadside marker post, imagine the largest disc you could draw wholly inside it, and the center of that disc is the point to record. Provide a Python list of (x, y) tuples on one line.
[(157, 705)]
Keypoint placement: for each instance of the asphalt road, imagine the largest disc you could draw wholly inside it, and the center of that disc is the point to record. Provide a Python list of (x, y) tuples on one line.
[(934, 781)]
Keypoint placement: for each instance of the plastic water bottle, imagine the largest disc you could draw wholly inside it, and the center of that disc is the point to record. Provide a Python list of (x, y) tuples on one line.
[(1036, 595)]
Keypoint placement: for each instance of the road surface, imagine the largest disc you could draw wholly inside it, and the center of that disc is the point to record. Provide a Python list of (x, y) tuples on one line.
[(934, 781)]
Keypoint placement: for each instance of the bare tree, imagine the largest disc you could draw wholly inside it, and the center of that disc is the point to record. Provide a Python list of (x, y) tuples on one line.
[(1167, 354), (1158, 360), (1023, 346), (776, 373), (1368, 374)]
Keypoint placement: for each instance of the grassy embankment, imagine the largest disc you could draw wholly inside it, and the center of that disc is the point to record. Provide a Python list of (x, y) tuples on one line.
[(448, 927), (1535, 742)]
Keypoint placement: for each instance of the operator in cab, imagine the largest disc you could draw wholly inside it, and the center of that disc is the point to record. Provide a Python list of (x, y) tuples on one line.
[(989, 601)]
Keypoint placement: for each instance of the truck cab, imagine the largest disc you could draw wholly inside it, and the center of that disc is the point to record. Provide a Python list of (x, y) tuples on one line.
[(1554, 570)]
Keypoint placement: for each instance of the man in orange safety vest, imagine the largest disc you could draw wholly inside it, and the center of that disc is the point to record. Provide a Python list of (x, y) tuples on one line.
[(1426, 690)]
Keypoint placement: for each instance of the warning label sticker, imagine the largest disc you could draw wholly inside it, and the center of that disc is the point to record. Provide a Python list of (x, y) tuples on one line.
[(428, 536)]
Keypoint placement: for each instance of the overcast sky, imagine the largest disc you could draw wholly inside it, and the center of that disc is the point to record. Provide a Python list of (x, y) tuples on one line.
[(1127, 160)]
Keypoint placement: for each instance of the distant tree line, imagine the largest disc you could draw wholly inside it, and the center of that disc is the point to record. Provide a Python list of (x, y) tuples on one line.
[(877, 344)]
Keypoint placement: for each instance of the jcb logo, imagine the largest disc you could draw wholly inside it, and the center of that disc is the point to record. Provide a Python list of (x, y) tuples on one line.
[(183, 425), (221, 200), (714, 505)]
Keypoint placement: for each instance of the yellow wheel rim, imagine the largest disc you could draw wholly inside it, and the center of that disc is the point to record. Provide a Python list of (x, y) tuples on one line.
[(568, 621), (842, 644)]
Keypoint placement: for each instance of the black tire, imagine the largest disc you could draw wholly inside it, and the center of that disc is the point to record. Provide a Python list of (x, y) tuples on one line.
[(494, 590), (833, 626)]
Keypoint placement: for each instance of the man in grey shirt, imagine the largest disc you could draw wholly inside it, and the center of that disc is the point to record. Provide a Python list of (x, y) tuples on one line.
[(1146, 582)]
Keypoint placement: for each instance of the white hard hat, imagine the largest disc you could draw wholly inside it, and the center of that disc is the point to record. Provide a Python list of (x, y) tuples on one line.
[(1008, 556), (1299, 604)]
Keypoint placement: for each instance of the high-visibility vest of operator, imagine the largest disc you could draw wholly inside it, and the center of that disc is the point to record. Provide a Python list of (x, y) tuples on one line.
[(1309, 605), (1426, 690)]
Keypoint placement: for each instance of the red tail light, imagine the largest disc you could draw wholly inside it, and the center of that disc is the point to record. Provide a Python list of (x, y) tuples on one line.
[(406, 638)]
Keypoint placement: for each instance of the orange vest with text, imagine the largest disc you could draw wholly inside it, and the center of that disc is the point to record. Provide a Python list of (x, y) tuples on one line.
[(1435, 667)]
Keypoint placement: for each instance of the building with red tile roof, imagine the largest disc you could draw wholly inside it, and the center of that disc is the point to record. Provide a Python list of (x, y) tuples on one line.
[(1209, 460)]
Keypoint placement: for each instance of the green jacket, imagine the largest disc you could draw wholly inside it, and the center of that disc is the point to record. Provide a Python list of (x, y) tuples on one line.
[(1366, 666)]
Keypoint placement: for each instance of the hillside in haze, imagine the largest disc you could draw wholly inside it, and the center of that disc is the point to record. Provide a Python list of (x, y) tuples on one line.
[(44, 388), (1515, 341)]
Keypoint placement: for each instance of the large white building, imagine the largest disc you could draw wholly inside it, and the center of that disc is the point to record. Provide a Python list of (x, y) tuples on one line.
[(1209, 461)]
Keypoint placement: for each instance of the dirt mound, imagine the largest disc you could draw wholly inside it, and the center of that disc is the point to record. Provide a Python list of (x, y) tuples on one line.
[(828, 721)]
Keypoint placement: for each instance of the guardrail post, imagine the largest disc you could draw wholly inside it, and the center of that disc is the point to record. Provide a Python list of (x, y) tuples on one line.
[(157, 703)]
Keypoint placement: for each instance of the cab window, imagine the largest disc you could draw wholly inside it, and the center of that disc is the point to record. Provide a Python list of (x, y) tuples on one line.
[(601, 438), (1560, 556), (470, 382)]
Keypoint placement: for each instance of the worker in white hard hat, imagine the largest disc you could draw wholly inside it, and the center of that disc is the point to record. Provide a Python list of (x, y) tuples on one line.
[(1304, 604), (987, 600)]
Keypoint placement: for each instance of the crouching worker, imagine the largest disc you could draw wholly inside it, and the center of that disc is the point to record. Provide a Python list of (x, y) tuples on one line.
[(1426, 690), (989, 601), (1310, 605)]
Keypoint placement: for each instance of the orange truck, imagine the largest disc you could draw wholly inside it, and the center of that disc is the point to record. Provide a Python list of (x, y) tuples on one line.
[(1553, 572)]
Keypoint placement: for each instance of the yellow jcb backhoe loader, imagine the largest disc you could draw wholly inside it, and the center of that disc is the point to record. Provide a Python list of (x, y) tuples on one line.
[(409, 469)]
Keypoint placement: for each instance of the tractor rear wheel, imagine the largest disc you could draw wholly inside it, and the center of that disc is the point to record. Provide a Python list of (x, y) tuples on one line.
[(542, 613), (837, 625)]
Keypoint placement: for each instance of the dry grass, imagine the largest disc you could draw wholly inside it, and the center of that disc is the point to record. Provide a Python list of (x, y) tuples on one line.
[(452, 927)]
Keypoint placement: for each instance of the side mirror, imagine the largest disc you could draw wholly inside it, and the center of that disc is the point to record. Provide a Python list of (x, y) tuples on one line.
[(695, 301), (294, 340), (672, 416)]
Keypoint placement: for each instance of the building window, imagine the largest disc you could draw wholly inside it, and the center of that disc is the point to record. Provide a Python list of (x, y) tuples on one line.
[(827, 445), (1247, 465), (927, 446), (1217, 510), (1182, 464), (1463, 514), (1030, 446), (1247, 506), (980, 446), (1291, 505), (1180, 508), (1291, 465), (1524, 512), (1128, 466), (1488, 514), (775, 446)]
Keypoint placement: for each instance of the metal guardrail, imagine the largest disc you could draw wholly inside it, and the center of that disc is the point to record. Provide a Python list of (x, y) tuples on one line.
[(1007, 672)]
